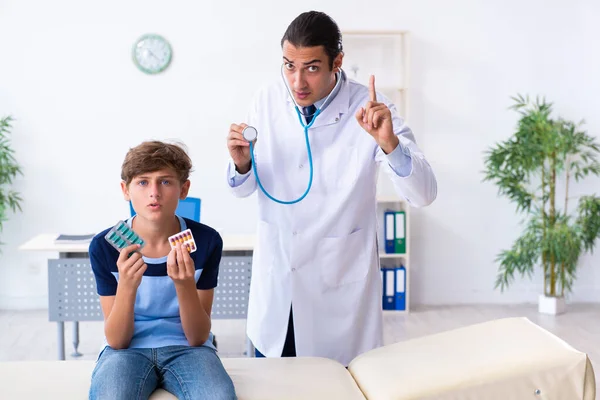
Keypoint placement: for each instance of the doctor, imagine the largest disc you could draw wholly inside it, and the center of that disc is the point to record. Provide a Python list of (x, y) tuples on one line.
[(316, 286)]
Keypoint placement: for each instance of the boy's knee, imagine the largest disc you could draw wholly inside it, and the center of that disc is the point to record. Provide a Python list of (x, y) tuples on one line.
[(221, 390), (122, 375), (105, 387), (225, 392)]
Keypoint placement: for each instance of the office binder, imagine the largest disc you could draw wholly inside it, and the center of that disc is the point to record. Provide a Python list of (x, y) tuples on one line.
[(389, 230), (400, 232), (382, 287), (400, 295), (389, 302)]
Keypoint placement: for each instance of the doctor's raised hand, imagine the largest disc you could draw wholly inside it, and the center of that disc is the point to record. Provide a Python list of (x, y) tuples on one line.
[(376, 119), (239, 148)]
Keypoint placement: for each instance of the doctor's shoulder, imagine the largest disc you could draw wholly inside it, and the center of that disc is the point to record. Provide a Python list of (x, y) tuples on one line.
[(259, 99), (272, 92), (263, 101)]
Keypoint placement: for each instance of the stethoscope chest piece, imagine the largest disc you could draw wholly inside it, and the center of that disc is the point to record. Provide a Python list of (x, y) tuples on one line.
[(250, 133)]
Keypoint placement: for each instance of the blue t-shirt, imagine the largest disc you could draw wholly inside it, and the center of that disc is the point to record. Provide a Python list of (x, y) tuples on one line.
[(157, 322)]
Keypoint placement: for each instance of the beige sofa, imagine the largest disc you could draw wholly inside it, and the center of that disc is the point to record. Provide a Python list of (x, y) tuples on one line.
[(504, 359)]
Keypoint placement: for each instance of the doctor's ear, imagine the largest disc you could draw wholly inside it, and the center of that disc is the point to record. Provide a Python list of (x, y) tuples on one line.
[(337, 62)]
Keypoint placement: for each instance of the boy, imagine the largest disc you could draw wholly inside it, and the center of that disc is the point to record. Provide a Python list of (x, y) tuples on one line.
[(157, 302)]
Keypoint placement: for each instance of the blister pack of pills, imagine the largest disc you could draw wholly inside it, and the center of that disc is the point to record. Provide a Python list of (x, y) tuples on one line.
[(185, 238), (121, 235)]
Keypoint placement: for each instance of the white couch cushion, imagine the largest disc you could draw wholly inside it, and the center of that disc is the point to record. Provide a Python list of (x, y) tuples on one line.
[(291, 378), (51, 380), (504, 359), (255, 378)]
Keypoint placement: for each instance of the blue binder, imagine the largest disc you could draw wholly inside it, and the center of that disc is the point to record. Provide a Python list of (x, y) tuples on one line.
[(400, 295), (382, 270), (389, 231), (389, 282)]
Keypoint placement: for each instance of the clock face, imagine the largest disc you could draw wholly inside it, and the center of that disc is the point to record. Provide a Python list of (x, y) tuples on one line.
[(151, 53)]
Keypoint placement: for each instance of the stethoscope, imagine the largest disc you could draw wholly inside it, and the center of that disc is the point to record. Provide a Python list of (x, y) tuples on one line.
[(250, 134)]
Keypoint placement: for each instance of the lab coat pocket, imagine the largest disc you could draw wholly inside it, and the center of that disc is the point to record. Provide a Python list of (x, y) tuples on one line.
[(265, 252), (344, 259)]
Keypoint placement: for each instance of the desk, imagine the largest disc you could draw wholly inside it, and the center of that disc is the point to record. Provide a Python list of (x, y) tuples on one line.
[(45, 242), (233, 245)]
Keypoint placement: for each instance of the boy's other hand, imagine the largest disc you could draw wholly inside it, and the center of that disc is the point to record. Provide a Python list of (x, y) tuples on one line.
[(180, 266), (239, 148), (131, 269)]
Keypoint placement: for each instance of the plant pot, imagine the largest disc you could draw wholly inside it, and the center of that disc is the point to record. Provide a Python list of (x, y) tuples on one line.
[(552, 305)]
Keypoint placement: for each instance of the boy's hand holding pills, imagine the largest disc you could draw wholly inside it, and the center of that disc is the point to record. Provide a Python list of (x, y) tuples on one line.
[(180, 266), (131, 269)]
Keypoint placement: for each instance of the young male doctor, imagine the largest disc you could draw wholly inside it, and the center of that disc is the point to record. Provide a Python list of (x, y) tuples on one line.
[(316, 286)]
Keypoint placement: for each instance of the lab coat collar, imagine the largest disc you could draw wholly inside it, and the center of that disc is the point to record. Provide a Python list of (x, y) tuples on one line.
[(338, 106)]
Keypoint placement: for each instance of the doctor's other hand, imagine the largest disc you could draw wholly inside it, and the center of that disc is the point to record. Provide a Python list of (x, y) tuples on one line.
[(239, 148), (376, 119)]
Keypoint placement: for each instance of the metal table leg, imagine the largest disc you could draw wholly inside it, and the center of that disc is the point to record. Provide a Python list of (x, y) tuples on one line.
[(75, 323), (61, 339), (76, 339)]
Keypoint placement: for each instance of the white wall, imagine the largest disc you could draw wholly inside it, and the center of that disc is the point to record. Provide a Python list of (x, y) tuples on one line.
[(67, 77)]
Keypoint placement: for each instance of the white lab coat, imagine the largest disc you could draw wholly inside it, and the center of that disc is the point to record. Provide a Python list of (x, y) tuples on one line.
[(321, 254)]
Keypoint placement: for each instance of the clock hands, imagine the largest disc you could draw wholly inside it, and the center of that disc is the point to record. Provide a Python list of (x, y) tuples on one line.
[(153, 55)]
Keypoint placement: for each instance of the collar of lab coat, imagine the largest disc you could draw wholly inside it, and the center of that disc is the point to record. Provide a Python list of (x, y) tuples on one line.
[(338, 106)]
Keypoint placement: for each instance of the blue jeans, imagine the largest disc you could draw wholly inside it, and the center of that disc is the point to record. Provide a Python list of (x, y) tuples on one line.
[(186, 372)]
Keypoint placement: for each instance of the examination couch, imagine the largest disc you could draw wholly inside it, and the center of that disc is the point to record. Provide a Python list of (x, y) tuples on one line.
[(510, 358)]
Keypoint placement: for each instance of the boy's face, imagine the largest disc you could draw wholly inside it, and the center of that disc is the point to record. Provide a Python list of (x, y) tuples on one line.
[(155, 195)]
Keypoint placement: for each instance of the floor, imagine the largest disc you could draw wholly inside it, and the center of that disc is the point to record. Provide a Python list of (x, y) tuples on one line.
[(27, 335)]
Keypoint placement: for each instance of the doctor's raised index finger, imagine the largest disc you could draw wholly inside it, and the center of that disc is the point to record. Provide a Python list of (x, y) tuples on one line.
[(372, 93)]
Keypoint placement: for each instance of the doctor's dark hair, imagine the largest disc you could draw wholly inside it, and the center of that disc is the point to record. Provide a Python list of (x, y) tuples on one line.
[(314, 28), (152, 156)]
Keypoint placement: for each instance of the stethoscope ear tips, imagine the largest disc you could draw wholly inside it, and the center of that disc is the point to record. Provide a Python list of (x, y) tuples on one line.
[(250, 133)]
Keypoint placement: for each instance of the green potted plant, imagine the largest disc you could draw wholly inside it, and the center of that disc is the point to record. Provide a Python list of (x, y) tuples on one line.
[(9, 168), (533, 168)]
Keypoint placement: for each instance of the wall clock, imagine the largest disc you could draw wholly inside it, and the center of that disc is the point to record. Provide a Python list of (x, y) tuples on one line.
[(152, 53)]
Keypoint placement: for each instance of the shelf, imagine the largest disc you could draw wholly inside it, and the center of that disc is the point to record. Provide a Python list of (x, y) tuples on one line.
[(386, 55), (389, 199), (375, 33), (390, 88), (394, 312), (393, 255), (386, 89)]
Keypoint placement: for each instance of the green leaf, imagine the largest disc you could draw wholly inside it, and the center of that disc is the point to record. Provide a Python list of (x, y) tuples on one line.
[(9, 169), (527, 168)]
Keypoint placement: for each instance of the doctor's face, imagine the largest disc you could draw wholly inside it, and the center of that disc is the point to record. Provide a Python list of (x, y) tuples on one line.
[(307, 72)]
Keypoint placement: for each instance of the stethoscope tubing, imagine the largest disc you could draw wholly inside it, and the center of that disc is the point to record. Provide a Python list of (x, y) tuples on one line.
[(251, 136)]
